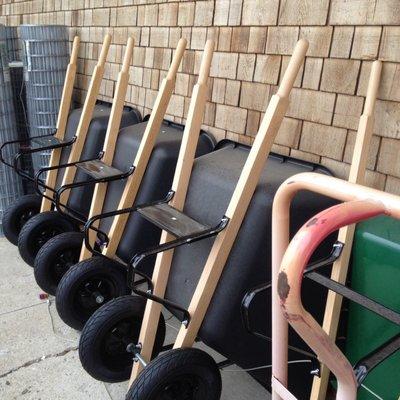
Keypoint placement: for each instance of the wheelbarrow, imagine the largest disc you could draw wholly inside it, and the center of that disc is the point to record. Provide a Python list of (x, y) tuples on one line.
[(158, 141), (59, 252), (183, 370), (103, 267)]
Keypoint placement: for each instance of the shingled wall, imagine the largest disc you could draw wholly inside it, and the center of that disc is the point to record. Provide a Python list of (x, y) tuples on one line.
[(254, 39)]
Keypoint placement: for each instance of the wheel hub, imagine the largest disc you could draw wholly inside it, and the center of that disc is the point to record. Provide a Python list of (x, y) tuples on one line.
[(99, 298), (94, 293), (45, 235), (65, 260), (186, 388), (25, 216), (118, 342)]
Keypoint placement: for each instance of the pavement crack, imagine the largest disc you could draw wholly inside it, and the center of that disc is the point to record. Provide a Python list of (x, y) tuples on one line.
[(38, 360), (22, 308)]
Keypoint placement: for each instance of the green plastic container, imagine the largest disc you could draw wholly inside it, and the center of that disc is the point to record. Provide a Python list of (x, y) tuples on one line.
[(376, 274)]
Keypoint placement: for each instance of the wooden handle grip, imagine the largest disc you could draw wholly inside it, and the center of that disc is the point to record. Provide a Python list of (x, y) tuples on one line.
[(128, 54), (206, 62), (104, 49), (180, 49), (373, 87), (75, 50), (293, 68)]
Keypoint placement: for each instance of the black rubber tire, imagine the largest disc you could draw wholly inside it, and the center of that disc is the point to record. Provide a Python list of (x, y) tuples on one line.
[(74, 308), (178, 371), (18, 213), (31, 237), (92, 345), (55, 258)]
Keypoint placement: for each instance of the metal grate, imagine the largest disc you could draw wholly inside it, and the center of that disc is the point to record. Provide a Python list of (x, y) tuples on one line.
[(19, 97), (13, 44)]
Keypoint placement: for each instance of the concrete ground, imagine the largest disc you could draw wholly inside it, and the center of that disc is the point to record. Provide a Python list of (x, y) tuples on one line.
[(38, 353)]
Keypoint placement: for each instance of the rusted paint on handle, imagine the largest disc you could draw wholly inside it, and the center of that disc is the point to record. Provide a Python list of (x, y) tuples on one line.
[(325, 185)]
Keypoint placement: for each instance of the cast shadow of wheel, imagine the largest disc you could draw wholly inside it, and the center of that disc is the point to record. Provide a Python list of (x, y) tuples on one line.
[(62, 331), (114, 391)]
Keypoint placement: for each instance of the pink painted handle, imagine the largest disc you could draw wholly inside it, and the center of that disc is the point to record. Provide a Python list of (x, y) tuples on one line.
[(327, 186), (290, 280)]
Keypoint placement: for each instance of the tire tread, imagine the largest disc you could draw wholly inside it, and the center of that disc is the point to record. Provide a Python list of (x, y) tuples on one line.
[(63, 300), (8, 216), (26, 232), (98, 320), (162, 366), (41, 259)]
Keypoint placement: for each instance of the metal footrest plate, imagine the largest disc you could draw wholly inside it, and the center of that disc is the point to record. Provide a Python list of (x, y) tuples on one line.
[(171, 220), (45, 141), (99, 170)]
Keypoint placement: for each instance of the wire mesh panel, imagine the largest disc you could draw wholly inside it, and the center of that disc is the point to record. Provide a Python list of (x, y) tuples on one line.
[(13, 44), (18, 88), (19, 97), (45, 57), (10, 183)]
